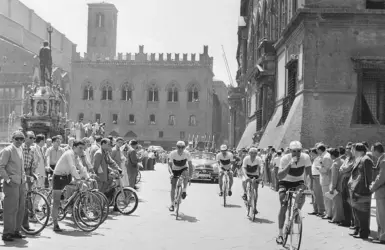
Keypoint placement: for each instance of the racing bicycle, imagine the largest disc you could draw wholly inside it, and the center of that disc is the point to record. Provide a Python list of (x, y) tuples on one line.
[(225, 185), (252, 196), (178, 194), (293, 224)]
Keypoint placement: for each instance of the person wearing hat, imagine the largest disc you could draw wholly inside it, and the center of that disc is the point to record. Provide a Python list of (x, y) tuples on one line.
[(225, 159), (292, 173), (12, 171), (253, 168), (179, 164), (132, 163)]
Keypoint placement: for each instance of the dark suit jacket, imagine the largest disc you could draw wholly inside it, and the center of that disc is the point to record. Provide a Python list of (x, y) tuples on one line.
[(104, 160), (361, 176), (12, 166)]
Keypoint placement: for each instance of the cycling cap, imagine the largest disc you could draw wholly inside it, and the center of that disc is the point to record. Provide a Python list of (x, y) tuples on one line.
[(180, 144), (253, 150), (223, 147), (295, 145)]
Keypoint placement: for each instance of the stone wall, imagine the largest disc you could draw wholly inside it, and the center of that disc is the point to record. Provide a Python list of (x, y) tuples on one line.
[(24, 27)]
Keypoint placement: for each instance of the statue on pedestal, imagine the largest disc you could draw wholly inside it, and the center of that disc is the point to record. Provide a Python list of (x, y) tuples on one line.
[(45, 63)]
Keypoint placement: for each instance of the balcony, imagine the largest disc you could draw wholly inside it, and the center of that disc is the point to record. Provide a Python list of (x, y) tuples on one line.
[(259, 118)]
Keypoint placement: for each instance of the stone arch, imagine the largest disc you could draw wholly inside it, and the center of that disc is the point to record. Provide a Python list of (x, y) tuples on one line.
[(87, 83), (152, 85), (127, 83), (193, 84), (106, 83), (173, 84)]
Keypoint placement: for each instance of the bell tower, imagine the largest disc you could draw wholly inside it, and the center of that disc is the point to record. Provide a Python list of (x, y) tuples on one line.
[(102, 29)]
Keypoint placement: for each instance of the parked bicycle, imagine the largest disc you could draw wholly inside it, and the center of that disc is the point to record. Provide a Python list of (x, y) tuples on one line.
[(121, 197), (252, 197), (85, 206), (178, 194), (38, 209), (293, 224)]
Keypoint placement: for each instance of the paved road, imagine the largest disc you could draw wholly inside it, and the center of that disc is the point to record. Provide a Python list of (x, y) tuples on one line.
[(205, 224)]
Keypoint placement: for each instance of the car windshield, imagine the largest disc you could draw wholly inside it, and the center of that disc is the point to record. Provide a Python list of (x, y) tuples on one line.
[(206, 156)]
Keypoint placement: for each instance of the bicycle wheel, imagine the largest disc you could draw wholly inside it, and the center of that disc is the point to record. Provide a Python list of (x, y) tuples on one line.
[(38, 212), (87, 212), (127, 201), (248, 200), (224, 189), (138, 177), (254, 203), (177, 201), (288, 224), (296, 231), (105, 203)]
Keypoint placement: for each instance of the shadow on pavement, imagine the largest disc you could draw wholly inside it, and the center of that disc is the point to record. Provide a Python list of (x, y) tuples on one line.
[(261, 220), (232, 206), (183, 217), (17, 244), (78, 233)]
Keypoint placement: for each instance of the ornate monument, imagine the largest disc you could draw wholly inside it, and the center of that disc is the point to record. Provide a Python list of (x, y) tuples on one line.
[(44, 101)]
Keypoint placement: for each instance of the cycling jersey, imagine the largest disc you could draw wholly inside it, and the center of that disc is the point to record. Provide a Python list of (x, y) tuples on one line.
[(179, 162), (297, 170), (225, 160), (252, 168)]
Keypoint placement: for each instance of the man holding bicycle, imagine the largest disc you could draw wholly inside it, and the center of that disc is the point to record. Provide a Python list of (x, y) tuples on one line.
[(252, 168), (225, 159), (293, 169), (66, 168), (179, 163)]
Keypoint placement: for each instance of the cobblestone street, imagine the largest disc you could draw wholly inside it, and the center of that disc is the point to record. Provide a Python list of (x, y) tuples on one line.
[(204, 224)]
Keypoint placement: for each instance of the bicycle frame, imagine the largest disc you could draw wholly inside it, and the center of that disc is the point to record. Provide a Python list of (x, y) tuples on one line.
[(252, 196), (178, 194), (225, 183)]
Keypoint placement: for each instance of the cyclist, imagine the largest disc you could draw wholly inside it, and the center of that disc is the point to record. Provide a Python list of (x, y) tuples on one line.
[(225, 159), (179, 163), (252, 167), (294, 167)]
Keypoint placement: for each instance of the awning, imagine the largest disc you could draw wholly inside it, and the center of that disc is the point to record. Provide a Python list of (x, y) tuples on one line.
[(247, 137), (114, 133), (130, 134)]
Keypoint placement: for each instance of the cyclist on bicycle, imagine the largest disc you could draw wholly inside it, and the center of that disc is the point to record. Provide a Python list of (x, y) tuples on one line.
[(225, 159), (179, 162), (252, 168), (293, 169)]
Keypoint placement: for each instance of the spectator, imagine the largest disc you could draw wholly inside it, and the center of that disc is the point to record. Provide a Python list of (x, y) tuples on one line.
[(318, 202), (12, 171), (132, 163), (325, 174), (345, 172), (336, 187), (360, 193), (378, 187)]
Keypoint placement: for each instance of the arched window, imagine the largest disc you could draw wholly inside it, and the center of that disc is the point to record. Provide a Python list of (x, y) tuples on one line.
[(126, 92), (193, 94), (152, 119), (171, 120), (153, 94), (172, 94), (99, 20), (192, 120), (107, 93), (88, 93)]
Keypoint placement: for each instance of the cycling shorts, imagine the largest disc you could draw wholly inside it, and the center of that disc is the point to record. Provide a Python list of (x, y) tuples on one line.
[(177, 173), (252, 176), (283, 186)]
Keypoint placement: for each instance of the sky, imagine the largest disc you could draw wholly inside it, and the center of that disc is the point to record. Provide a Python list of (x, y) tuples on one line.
[(162, 26)]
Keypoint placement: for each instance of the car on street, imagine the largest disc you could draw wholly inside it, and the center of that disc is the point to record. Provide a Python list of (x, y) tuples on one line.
[(205, 167)]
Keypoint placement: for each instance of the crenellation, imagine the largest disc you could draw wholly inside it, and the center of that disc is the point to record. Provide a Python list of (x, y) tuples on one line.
[(153, 57), (185, 57), (177, 57), (161, 57), (169, 57), (193, 57)]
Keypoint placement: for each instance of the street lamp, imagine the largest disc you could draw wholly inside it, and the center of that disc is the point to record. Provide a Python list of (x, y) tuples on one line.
[(50, 30)]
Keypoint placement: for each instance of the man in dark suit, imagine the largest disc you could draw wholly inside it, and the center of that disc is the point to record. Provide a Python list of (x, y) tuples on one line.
[(132, 163), (12, 171), (45, 62)]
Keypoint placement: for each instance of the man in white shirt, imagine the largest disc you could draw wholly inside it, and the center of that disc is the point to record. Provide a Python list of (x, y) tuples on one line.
[(318, 203), (66, 168), (293, 169), (225, 158)]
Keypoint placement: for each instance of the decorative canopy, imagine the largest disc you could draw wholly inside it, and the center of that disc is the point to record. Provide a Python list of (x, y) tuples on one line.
[(114, 133), (130, 134)]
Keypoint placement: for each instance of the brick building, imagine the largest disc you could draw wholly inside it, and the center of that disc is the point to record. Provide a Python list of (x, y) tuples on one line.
[(315, 70), (22, 33), (154, 98)]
